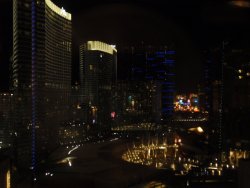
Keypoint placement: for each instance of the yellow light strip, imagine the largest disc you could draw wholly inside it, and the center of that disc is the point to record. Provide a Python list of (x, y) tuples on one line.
[(101, 46), (59, 11), (8, 179)]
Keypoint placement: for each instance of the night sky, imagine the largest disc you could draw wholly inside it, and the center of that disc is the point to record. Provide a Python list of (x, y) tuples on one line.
[(188, 26)]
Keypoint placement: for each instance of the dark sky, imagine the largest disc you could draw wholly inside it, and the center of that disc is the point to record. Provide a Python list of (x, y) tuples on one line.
[(188, 26)]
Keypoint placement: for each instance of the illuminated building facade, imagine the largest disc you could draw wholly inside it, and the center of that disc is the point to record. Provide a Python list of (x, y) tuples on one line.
[(188, 113), (98, 62), (41, 78)]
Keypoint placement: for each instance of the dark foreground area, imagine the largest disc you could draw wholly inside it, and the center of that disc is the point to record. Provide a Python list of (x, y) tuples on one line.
[(100, 165)]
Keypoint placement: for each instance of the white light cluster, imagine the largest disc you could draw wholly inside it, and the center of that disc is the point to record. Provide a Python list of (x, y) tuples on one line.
[(59, 11), (101, 46)]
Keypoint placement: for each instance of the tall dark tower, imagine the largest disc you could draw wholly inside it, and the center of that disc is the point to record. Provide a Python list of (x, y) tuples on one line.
[(151, 63), (160, 66), (98, 75), (41, 74)]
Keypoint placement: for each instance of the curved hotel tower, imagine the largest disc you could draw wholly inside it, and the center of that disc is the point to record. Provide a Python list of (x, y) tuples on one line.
[(41, 74), (98, 62)]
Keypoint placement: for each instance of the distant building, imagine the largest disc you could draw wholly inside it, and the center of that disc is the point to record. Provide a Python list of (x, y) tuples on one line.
[(236, 91), (211, 73), (157, 64), (227, 78), (98, 69), (41, 75)]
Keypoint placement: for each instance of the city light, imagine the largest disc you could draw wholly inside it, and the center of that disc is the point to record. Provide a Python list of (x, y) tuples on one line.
[(69, 162), (73, 150), (200, 130), (197, 130), (187, 104), (160, 155), (101, 46), (63, 12), (161, 106), (58, 10)]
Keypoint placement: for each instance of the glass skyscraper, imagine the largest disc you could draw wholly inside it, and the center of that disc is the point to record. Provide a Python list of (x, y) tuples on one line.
[(97, 76), (157, 64), (41, 76)]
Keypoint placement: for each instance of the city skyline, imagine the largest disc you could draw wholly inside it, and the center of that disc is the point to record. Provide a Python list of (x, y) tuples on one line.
[(124, 93), (188, 29)]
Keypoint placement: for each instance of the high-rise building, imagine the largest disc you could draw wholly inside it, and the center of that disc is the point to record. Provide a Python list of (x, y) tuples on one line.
[(41, 76), (236, 91), (160, 66), (98, 77), (155, 63), (229, 87)]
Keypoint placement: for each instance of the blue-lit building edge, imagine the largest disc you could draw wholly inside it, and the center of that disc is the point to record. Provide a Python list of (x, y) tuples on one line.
[(160, 66), (33, 83)]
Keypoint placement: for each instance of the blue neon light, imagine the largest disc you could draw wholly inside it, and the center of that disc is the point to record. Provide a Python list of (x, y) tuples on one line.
[(167, 97), (170, 52), (149, 77), (168, 90), (168, 83), (33, 88), (150, 59), (160, 56), (159, 53), (161, 77), (160, 71), (169, 61), (167, 109)]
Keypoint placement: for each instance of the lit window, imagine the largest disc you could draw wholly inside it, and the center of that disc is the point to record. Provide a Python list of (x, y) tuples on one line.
[(90, 67)]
